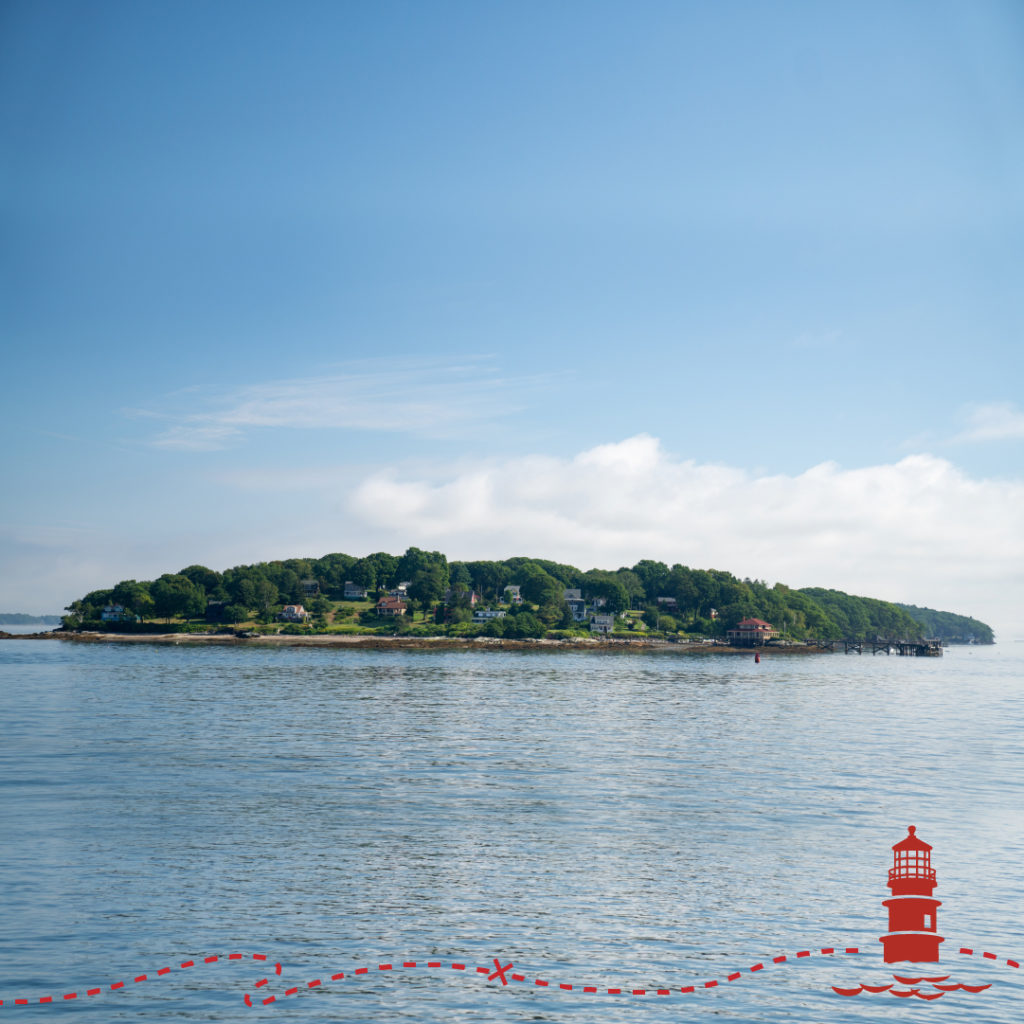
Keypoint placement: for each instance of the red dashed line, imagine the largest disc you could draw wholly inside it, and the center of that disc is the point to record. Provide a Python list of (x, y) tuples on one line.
[(566, 987), (118, 985)]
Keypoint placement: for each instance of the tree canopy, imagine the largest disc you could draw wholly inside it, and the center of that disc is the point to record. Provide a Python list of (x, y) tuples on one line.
[(705, 601)]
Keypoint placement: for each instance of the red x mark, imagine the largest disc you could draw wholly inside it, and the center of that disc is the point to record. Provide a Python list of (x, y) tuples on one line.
[(500, 972)]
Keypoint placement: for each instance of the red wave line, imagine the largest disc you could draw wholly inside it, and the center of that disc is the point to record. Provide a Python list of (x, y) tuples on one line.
[(115, 986), (543, 983)]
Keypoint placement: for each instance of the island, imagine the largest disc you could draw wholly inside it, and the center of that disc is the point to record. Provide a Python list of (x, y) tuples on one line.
[(422, 598)]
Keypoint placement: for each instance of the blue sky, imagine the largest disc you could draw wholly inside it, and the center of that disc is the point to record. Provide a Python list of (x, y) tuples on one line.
[(733, 284)]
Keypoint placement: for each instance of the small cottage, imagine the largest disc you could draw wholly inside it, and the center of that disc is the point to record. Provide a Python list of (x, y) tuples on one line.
[(391, 606)]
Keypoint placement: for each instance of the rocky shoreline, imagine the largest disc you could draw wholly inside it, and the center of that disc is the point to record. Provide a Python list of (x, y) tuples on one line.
[(353, 641)]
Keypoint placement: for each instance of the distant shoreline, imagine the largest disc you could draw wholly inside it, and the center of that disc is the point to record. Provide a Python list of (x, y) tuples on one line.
[(355, 641)]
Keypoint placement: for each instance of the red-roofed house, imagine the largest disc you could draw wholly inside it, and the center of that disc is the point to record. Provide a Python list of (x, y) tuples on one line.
[(391, 606), (752, 631)]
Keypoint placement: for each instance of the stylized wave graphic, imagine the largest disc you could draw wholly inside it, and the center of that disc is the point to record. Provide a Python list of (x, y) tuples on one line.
[(915, 990)]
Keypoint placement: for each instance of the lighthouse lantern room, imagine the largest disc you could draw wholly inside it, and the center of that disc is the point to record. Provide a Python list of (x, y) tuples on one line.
[(913, 918)]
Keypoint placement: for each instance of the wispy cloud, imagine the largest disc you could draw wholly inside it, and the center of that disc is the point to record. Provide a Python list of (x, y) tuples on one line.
[(432, 398), (994, 421)]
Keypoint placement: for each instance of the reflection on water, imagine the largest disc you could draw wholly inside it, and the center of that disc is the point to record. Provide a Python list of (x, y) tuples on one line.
[(602, 820)]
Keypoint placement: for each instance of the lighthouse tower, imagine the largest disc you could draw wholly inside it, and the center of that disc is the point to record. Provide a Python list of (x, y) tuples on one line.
[(912, 911)]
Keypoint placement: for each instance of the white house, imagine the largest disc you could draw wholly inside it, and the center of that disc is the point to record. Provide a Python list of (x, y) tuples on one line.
[(354, 592), (294, 613), (117, 613), (486, 614), (603, 624)]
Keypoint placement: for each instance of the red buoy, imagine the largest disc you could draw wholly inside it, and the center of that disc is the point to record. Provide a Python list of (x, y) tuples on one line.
[(757, 658), (913, 921)]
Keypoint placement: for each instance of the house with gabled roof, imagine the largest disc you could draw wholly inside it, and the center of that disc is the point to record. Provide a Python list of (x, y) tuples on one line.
[(752, 631), (391, 606)]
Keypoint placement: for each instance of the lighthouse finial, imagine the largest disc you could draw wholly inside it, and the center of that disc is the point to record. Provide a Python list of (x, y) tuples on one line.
[(911, 829)]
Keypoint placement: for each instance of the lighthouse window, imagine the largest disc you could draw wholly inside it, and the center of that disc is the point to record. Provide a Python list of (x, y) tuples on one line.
[(929, 921)]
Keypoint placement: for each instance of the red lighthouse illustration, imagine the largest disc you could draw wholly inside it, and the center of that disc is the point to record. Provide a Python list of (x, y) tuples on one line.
[(912, 910)]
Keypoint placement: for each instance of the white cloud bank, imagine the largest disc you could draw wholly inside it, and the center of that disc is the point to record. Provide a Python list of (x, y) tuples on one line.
[(919, 530)]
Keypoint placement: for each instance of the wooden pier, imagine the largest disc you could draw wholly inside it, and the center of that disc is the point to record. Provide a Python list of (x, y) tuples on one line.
[(906, 648)]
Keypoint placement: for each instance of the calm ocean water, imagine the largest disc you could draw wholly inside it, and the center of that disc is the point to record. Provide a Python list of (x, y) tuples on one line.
[(595, 819)]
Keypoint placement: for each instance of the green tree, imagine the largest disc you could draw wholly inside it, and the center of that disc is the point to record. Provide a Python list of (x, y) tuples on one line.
[(539, 587), (135, 597), (202, 577), (376, 571), (654, 578), (266, 596), (524, 625), (489, 579), (428, 585), (235, 613), (605, 584), (176, 595), (414, 560)]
